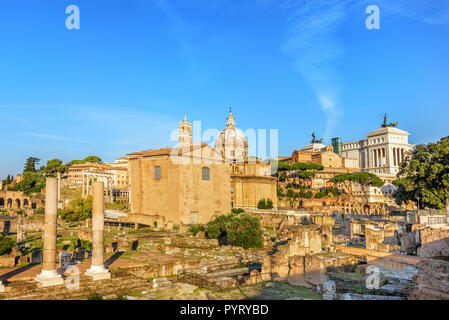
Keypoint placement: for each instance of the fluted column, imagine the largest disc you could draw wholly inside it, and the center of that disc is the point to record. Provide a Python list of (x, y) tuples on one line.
[(49, 275), (97, 269)]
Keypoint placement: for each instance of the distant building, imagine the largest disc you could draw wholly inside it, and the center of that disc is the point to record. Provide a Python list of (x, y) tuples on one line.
[(333, 163), (381, 153), (120, 171), (202, 183), (114, 176)]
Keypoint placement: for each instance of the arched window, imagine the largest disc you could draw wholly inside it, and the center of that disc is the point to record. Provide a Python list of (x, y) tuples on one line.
[(157, 172), (205, 173)]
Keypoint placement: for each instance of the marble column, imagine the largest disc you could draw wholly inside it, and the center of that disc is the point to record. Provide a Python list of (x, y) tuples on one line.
[(83, 185), (59, 187), (49, 276), (97, 270)]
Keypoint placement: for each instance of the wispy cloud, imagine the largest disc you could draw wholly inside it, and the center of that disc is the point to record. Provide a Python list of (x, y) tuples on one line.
[(314, 44), (425, 11), (47, 136), (315, 48)]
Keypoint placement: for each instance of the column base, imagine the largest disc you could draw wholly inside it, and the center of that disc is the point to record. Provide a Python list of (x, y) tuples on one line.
[(98, 273), (49, 278), (2, 287)]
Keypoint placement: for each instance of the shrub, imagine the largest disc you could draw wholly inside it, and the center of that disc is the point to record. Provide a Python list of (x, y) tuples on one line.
[(280, 193), (217, 227), (196, 228), (320, 195), (6, 244), (262, 204), (237, 211), (241, 230), (244, 231), (40, 210), (77, 210), (333, 191), (265, 204)]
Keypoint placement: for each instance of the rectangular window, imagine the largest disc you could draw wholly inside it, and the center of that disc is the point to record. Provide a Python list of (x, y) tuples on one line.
[(157, 172), (205, 171)]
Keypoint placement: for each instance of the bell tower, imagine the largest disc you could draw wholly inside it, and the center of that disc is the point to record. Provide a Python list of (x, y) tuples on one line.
[(185, 133)]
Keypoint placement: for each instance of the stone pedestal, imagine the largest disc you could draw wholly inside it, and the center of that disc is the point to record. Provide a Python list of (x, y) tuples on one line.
[(98, 273), (49, 278), (97, 270), (49, 275)]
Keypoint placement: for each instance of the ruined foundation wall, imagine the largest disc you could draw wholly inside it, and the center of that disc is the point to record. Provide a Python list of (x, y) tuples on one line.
[(434, 242), (432, 280)]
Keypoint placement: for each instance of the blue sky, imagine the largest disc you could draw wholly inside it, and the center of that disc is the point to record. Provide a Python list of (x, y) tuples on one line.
[(123, 81)]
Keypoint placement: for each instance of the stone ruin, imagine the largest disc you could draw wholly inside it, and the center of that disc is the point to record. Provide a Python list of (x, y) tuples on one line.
[(303, 253), (376, 235), (432, 281), (425, 242)]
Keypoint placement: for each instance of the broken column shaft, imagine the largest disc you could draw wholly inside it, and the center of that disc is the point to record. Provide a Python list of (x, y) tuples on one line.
[(97, 270), (49, 276)]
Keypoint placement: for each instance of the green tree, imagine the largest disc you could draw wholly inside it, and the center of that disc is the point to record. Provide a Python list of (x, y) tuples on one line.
[(94, 159), (241, 230), (53, 167), (30, 164), (262, 204), (244, 231), (363, 179), (424, 176), (32, 182), (217, 228), (77, 210), (6, 244)]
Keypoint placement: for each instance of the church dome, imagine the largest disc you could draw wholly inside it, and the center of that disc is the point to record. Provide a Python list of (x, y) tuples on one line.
[(231, 141)]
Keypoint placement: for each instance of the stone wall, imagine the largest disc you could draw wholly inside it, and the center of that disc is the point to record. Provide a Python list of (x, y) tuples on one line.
[(323, 220), (33, 225), (305, 239), (9, 225), (8, 260), (434, 242), (379, 235), (432, 280), (273, 219)]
